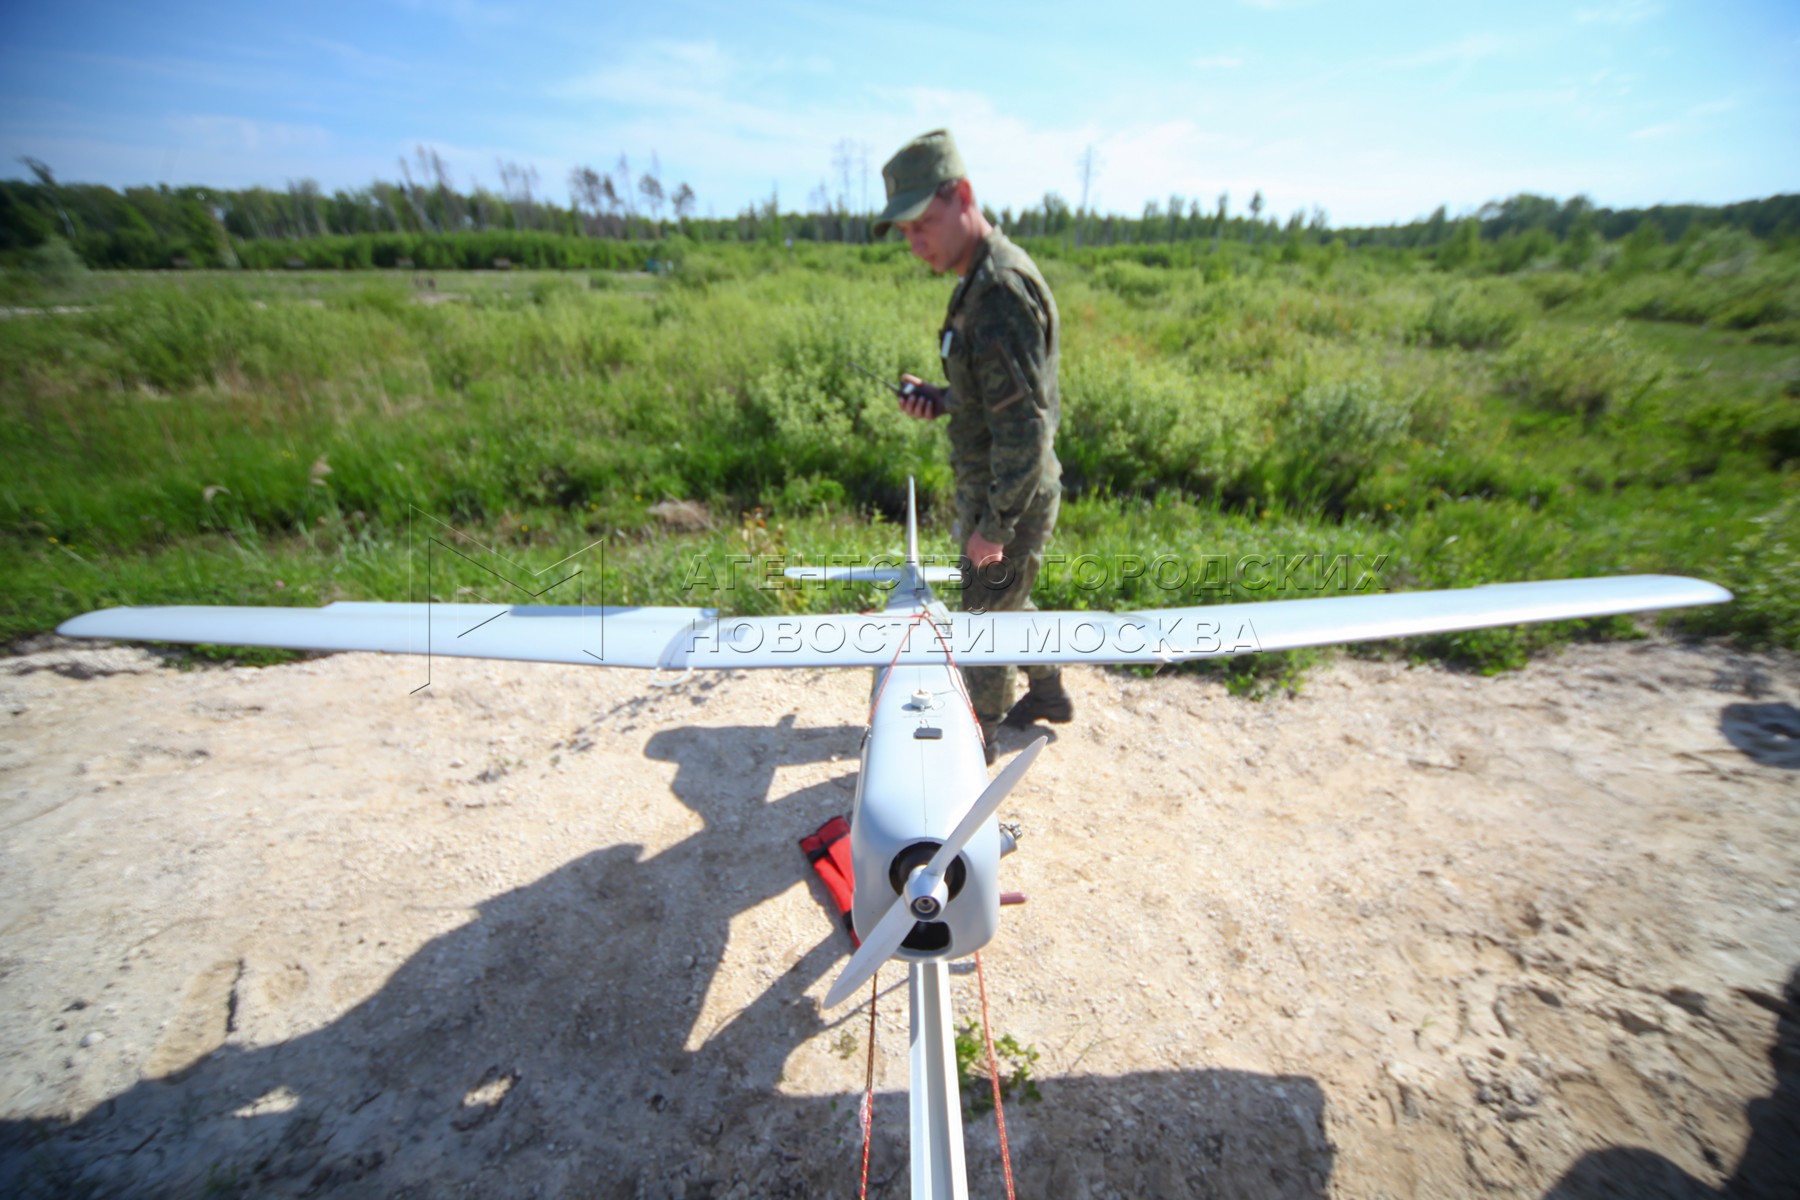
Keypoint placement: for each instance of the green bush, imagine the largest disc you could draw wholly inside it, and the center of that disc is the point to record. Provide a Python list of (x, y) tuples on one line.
[(1586, 374), (702, 269), (1778, 333), (1762, 570), (1131, 425), (1717, 253), (1329, 439), (1134, 281), (1468, 319), (1737, 292), (1517, 251), (1553, 289), (55, 265)]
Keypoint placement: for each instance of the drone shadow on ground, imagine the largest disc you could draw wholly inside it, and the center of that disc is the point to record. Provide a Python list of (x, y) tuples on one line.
[(543, 1049)]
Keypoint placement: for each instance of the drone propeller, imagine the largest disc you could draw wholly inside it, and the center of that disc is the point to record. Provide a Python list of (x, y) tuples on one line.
[(925, 892)]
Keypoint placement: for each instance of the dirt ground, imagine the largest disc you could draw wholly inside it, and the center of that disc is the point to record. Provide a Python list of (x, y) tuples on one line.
[(540, 930)]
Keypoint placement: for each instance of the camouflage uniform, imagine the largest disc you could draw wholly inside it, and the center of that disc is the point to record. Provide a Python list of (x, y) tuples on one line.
[(1000, 342)]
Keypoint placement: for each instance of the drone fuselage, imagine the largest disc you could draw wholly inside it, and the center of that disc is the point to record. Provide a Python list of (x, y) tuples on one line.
[(922, 766)]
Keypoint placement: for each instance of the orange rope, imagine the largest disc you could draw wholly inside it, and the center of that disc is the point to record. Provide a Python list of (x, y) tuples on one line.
[(949, 658), (868, 1107), (898, 649), (987, 1035)]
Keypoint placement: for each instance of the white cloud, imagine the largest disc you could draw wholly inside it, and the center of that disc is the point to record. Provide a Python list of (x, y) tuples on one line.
[(1694, 120), (660, 74), (213, 151), (245, 134), (358, 60)]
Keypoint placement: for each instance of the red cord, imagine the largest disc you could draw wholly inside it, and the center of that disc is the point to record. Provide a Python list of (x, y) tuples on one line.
[(868, 1108), (875, 704), (949, 658), (987, 1035)]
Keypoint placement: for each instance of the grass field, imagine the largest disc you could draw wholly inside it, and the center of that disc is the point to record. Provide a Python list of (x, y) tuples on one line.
[(1251, 426)]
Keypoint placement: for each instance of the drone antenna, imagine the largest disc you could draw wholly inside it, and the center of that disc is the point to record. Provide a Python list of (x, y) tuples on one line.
[(912, 526)]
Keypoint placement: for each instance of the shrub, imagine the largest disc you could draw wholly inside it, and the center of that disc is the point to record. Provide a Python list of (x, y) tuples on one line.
[(1136, 426), (1134, 281), (1718, 252), (701, 269), (1553, 289), (1329, 438), (1762, 569), (1583, 375), (1467, 318), (1517, 251), (1763, 306), (1779, 333), (55, 265)]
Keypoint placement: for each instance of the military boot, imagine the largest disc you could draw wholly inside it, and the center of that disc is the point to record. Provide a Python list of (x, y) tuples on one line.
[(990, 732), (1045, 700)]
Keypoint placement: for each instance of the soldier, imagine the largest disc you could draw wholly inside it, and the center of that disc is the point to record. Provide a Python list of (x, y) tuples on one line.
[(999, 345)]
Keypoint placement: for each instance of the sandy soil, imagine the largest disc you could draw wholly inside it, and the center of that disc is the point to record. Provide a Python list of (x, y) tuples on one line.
[(540, 930)]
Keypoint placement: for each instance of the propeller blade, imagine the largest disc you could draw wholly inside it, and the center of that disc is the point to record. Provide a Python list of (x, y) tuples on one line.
[(876, 949), (984, 807), (898, 920)]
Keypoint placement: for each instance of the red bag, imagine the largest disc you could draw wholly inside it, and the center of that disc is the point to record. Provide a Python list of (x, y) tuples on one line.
[(828, 851)]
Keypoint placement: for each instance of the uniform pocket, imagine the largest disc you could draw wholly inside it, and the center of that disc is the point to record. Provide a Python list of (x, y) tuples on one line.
[(1002, 382)]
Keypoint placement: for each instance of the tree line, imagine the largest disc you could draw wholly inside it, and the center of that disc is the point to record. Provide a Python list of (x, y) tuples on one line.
[(614, 218)]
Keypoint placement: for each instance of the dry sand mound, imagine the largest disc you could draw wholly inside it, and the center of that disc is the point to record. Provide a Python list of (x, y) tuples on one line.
[(540, 930)]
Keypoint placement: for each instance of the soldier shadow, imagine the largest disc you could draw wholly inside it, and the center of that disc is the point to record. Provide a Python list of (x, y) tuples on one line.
[(550, 1047), (1769, 1168)]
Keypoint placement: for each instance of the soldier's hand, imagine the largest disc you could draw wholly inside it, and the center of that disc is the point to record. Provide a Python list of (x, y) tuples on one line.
[(981, 552), (920, 399)]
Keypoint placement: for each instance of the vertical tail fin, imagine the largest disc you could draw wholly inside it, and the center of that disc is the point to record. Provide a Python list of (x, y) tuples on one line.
[(912, 526)]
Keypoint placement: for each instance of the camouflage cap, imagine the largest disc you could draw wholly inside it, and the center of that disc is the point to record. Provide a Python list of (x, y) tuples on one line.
[(913, 175)]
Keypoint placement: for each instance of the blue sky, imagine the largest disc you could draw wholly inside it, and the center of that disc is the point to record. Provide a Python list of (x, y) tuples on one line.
[(1375, 112)]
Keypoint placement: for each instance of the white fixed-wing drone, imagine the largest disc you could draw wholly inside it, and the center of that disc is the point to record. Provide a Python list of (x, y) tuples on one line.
[(924, 840)]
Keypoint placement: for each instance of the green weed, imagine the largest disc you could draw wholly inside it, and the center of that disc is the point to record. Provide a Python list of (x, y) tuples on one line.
[(1016, 1065)]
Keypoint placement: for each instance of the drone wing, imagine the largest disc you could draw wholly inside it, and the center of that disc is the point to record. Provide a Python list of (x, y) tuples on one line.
[(683, 638), (1291, 624), (609, 636), (1164, 634)]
